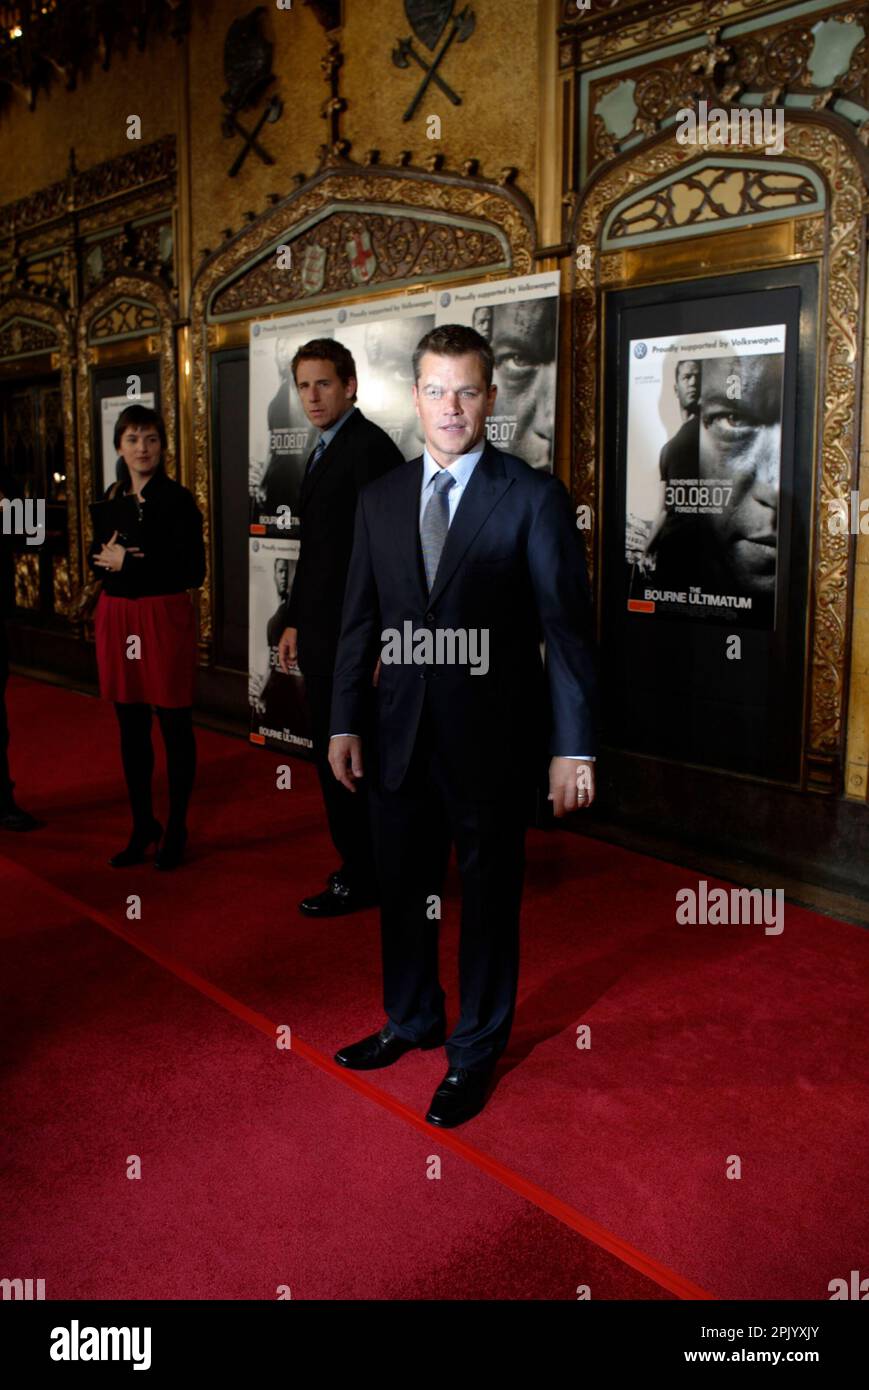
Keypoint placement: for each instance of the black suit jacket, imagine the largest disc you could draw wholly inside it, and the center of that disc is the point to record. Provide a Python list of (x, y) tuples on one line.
[(360, 452), (513, 564)]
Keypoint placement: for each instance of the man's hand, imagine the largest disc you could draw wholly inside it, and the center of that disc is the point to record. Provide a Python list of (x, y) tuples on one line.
[(345, 759), (375, 679), (288, 656), (571, 784)]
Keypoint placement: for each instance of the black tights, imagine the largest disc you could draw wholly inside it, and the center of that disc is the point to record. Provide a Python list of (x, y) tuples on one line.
[(137, 755)]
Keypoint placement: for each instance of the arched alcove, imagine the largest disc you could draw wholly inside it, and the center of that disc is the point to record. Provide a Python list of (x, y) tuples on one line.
[(820, 219), (353, 231)]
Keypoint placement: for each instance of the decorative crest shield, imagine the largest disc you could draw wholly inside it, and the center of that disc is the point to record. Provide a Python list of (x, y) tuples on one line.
[(428, 19)]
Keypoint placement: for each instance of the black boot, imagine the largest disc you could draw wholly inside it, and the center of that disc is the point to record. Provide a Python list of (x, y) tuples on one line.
[(180, 741), (140, 841), (171, 852)]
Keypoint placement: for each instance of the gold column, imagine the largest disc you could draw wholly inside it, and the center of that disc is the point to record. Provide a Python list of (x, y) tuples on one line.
[(547, 191), (183, 271)]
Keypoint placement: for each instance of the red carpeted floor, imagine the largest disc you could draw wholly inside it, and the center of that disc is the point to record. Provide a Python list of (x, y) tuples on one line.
[(263, 1168)]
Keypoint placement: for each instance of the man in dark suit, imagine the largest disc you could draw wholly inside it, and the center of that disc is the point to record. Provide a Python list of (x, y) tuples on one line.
[(462, 562), (11, 816), (350, 452)]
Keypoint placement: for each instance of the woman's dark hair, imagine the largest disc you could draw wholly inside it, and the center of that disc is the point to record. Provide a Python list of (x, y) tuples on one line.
[(138, 415), (327, 350)]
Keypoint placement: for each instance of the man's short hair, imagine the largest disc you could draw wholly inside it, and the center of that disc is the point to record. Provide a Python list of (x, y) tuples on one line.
[(454, 340), (327, 350)]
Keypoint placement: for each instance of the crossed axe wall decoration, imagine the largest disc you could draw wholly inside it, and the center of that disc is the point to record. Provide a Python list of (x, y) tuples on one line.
[(429, 22)]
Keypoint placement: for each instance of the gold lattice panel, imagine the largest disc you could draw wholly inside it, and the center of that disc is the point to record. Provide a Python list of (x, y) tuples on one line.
[(125, 318), (714, 195)]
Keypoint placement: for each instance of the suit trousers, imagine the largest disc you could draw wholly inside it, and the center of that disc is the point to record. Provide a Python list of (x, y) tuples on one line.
[(414, 828), (346, 812), (6, 783)]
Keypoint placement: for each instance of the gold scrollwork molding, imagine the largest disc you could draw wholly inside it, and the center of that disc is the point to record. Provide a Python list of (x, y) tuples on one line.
[(836, 241)]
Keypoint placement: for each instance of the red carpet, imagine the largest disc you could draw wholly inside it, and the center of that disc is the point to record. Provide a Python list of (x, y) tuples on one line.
[(604, 1167)]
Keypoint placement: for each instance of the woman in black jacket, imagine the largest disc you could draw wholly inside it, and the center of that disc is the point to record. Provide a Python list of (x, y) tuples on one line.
[(145, 628)]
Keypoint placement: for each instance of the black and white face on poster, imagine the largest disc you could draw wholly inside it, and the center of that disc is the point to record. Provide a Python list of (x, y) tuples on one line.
[(519, 319), (703, 474)]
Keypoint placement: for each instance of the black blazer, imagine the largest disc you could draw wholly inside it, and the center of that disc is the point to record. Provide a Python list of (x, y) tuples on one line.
[(173, 553), (360, 452), (514, 565)]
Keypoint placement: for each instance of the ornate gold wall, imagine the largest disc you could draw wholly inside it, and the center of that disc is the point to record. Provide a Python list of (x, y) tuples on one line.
[(92, 119), (494, 72), (626, 70)]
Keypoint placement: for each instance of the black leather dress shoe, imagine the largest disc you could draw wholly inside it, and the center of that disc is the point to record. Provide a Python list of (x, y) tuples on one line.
[(460, 1096), (338, 899), (383, 1048), (13, 818)]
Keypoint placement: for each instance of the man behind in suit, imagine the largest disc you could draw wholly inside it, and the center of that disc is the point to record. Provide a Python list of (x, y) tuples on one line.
[(465, 541), (11, 816), (350, 453)]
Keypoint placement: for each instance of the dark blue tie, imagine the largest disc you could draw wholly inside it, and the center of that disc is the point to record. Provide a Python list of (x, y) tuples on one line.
[(435, 524)]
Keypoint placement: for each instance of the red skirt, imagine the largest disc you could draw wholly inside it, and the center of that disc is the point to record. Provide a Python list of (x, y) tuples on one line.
[(160, 669)]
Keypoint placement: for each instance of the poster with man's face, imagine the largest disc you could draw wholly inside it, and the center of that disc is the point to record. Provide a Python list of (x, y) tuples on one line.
[(381, 336), (519, 319), (703, 482), (280, 435), (278, 715)]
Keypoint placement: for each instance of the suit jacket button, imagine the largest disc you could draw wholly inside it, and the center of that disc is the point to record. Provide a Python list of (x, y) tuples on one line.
[(429, 617)]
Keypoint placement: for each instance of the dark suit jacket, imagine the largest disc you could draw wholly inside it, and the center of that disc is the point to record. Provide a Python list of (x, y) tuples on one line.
[(514, 564), (360, 452)]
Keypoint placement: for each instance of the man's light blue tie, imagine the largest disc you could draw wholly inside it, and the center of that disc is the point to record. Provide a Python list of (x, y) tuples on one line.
[(435, 524), (317, 455)]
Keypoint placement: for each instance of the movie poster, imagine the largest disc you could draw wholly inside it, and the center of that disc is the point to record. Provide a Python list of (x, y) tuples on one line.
[(278, 714), (703, 475), (519, 317), (381, 336)]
